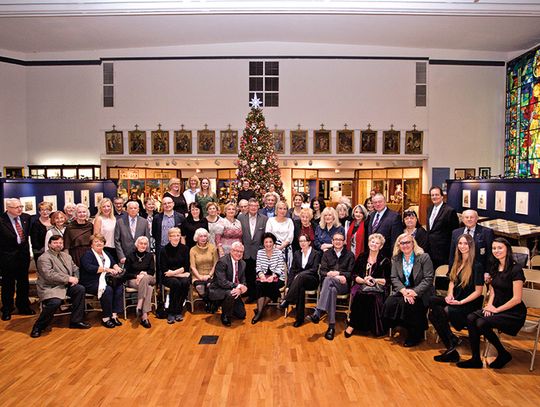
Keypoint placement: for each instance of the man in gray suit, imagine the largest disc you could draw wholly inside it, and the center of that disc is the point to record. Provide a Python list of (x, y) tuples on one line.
[(128, 228), (58, 276), (253, 227)]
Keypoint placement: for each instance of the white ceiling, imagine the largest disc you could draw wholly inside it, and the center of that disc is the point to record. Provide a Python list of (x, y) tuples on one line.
[(493, 32)]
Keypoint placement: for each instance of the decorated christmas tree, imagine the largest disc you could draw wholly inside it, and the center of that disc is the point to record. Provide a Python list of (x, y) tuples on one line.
[(257, 160)]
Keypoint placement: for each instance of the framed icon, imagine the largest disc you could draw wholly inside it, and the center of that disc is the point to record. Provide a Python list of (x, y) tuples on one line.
[(114, 142), (160, 142), (137, 142), (206, 142), (229, 141), (391, 142), (414, 142), (322, 141), (279, 141), (345, 142), (299, 142), (368, 141), (484, 172), (182, 142)]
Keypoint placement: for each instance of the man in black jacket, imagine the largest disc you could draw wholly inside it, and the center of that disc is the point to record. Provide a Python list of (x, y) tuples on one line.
[(384, 221)]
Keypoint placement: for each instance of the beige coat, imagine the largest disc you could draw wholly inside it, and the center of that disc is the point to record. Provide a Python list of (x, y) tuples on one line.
[(54, 271)]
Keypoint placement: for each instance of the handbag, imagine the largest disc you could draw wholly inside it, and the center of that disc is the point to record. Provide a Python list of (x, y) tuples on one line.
[(377, 288), (115, 280)]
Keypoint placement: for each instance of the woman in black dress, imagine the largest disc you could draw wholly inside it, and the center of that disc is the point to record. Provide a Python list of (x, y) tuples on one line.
[(371, 278), (463, 297), (176, 195), (411, 225), (505, 311), (193, 222), (175, 274), (140, 270), (412, 282)]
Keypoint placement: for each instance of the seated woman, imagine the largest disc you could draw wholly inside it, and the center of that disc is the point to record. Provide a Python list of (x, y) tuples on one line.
[(336, 270), (95, 265), (505, 311), (303, 276), (202, 258), (175, 274), (371, 277), (411, 225), (140, 274), (412, 282), (270, 271), (327, 227), (463, 297)]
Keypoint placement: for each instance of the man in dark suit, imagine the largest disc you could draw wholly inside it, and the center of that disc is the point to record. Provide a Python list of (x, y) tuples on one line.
[(163, 221), (118, 204), (442, 220), (253, 227), (128, 228), (229, 283), (270, 202), (14, 258), (385, 221), (483, 238)]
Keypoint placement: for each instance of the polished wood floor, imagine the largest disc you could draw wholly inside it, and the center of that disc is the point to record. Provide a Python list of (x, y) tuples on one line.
[(269, 364)]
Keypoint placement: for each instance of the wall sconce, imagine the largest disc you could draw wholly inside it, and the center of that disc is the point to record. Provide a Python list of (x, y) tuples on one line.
[(198, 170), (360, 164), (146, 163), (377, 164), (339, 163), (217, 162), (337, 171), (167, 163), (310, 162), (188, 163), (174, 162), (157, 163), (296, 163)]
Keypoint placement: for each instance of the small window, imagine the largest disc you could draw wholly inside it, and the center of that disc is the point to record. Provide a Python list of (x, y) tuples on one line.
[(421, 84), (421, 97), (108, 84), (264, 80), (255, 68)]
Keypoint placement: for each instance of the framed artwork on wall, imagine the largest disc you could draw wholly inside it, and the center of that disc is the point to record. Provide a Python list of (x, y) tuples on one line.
[(279, 141), (299, 142), (114, 142), (345, 141), (466, 198), (414, 142), (160, 141), (137, 141), (29, 204), (368, 141), (482, 199), (522, 203), (484, 172), (182, 141), (500, 201), (229, 141), (206, 141), (391, 142), (52, 199), (322, 141)]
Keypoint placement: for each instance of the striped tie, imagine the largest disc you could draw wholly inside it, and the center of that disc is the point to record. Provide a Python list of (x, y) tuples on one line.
[(20, 231)]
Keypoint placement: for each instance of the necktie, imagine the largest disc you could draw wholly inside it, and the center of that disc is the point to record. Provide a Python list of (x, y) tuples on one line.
[(236, 280), (468, 231), (376, 221), (19, 229), (433, 216), (132, 226)]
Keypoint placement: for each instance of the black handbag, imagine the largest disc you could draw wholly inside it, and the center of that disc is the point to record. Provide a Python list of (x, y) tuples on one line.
[(115, 280), (377, 288)]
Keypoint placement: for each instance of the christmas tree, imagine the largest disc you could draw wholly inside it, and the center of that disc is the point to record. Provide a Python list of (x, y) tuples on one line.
[(257, 161)]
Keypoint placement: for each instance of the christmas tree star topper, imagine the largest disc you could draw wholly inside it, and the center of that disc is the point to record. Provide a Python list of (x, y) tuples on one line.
[(255, 102)]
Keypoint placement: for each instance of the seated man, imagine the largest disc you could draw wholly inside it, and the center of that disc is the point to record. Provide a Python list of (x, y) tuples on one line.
[(336, 272), (58, 277), (229, 284)]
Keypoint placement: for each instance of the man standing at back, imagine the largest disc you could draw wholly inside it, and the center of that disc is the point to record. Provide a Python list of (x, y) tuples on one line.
[(384, 221), (128, 228), (442, 220)]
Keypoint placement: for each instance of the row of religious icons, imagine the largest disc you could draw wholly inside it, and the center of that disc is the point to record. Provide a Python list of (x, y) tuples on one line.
[(322, 141)]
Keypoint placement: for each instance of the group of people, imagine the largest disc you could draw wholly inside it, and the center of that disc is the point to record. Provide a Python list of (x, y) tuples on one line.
[(272, 254)]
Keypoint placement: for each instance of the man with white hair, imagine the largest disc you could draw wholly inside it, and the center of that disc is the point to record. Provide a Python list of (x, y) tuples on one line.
[(14, 259), (128, 228), (270, 202), (229, 284)]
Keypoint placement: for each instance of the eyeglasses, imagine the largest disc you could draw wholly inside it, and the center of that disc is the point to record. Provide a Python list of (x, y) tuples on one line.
[(339, 239), (406, 242), (16, 207)]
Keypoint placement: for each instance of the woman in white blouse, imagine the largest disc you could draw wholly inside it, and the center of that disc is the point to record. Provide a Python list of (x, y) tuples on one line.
[(270, 271), (282, 228), (104, 224)]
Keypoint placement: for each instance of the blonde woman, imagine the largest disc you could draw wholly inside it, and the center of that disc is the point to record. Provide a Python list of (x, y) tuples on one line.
[(327, 227), (232, 231), (282, 228), (202, 260), (189, 193), (412, 283), (180, 204), (104, 224)]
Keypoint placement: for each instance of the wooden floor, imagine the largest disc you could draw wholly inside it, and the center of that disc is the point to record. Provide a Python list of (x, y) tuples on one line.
[(269, 364)]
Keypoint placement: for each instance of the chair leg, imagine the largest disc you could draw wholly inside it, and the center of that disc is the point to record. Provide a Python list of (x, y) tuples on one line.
[(531, 368)]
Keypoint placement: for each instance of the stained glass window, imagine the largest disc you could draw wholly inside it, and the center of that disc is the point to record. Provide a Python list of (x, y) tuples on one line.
[(522, 130)]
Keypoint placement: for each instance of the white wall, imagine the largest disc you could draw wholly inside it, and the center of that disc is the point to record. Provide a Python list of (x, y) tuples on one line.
[(12, 116)]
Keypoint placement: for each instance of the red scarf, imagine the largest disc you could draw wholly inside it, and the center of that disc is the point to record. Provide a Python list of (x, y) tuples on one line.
[(359, 237)]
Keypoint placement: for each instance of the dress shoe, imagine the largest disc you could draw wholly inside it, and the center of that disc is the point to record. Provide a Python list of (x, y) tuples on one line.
[(27, 311), (225, 320), (298, 323), (411, 342), (108, 324), (450, 356), (470, 364), (347, 334), (170, 319), (283, 304), (501, 360), (80, 325), (313, 318), (116, 321), (178, 318), (329, 335), (146, 323), (6, 316), (36, 332), (256, 318)]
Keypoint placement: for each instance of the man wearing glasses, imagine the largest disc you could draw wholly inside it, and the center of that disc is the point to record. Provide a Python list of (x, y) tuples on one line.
[(14, 259), (336, 271)]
